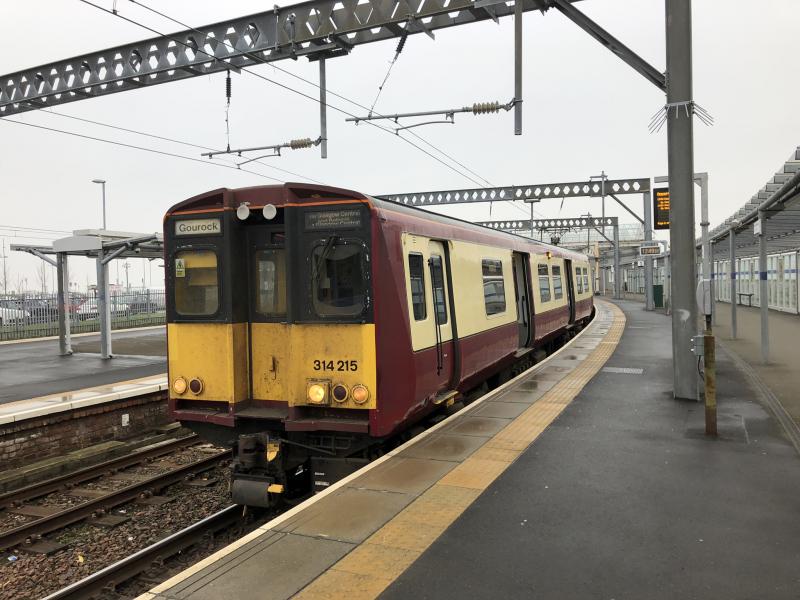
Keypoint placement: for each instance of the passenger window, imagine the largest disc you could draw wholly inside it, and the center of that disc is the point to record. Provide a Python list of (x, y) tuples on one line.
[(557, 290), (544, 283), (579, 280), (494, 290), (417, 278), (196, 283), (270, 280), (586, 287), (437, 284)]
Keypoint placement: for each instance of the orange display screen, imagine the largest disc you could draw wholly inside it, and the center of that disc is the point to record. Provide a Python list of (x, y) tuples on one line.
[(661, 208)]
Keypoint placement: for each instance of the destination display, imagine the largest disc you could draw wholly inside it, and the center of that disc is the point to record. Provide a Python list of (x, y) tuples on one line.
[(661, 208), (343, 218), (198, 227)]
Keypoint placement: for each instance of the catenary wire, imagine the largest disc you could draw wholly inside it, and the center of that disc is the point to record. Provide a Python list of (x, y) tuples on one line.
[(167, 139), (142, 148), (286, 87), (261, 60)]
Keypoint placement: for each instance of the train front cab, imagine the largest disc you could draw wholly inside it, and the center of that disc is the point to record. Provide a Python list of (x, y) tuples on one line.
[(271, 336)]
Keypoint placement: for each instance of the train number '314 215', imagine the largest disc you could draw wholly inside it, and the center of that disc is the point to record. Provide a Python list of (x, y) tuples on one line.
[(336, 365)]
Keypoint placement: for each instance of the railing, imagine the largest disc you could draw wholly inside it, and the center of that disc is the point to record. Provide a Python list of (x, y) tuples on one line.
[(36, 315)]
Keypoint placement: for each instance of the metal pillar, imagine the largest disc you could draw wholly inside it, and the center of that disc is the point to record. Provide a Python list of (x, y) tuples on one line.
[(323, 109), (732, 272), (103, 308), (62, 271), (702, 179), (649, 303), (518, 67), (617, 271), (680, 150), (764, 287)]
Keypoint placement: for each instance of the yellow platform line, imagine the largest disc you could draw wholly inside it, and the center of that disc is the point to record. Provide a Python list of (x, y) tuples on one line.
[(371, 567)]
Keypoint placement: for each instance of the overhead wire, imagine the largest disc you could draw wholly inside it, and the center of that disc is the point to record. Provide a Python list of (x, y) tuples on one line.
[(272, 81), (168, 139), (142, 148), (261, 60)]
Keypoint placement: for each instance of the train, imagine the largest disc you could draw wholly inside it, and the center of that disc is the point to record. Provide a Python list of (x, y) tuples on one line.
[(307, 326)]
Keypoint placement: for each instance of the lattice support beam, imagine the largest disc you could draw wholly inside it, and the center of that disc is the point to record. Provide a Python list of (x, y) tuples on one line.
[(527, 193), (550, 224), (318, 28)]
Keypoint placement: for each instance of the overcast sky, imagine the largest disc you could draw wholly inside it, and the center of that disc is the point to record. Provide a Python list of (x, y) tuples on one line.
[(584, 111)]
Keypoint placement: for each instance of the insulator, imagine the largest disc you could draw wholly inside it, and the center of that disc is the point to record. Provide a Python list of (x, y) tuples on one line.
[(301, 143), (401, 43), (482, 108), (228, 87)]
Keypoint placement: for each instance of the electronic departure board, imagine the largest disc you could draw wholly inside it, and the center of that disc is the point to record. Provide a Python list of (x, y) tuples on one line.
[(661, 208)]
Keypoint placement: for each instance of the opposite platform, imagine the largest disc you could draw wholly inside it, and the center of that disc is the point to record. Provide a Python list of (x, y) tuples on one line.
[(33, 369), (353, 539)]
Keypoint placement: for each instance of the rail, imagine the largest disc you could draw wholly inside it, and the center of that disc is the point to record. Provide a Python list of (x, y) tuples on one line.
[(59, 520), (140, 561)]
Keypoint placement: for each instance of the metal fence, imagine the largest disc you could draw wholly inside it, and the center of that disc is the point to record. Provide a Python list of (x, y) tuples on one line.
[(25, 316)]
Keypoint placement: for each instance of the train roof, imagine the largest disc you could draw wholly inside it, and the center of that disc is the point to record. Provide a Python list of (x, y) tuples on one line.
[(300, 193)]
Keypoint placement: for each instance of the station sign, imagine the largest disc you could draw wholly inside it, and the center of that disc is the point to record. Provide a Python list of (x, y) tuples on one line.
[(650, 250), (661, 208)]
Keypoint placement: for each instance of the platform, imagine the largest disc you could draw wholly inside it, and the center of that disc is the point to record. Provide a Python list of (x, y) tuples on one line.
[(33, 369), (582, 478)]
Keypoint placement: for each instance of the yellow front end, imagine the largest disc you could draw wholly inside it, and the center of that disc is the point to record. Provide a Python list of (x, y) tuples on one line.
[(214, 354), (301, 364), (288, 360)]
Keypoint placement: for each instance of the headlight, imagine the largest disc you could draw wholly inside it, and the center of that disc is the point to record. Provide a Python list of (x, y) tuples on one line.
[(179, 386), (360, 394), (196, 386), (317, 393), (340, 392)]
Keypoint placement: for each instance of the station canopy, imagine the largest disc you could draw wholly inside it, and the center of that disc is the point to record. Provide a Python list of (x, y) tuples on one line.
[(92, 242), (779, 202)]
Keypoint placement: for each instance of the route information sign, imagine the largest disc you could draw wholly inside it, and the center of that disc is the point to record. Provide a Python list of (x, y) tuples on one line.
[(661, 208)]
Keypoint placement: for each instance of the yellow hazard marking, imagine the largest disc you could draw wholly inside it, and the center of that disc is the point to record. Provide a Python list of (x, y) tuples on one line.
[(372, 566)]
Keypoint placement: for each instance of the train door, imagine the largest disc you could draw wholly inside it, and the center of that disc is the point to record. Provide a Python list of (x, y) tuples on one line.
[(570, 288), (267, 299), (440, 280), (522, 293)]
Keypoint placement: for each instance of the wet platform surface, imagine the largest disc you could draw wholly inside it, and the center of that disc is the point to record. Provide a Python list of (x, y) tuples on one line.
[(625, 497), (34, 369), (581, 479)]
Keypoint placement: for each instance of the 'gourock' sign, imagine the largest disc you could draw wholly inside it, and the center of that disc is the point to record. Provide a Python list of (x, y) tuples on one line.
[(198, 227)]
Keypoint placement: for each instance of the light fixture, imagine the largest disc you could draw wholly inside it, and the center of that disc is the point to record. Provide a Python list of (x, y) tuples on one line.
[(269, 211), (243, 211)]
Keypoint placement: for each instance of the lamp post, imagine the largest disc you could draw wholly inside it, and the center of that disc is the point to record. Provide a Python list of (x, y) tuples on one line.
[(103, 183)]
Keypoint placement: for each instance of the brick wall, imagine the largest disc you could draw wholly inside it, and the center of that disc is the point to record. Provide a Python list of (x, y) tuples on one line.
[(39, 438)]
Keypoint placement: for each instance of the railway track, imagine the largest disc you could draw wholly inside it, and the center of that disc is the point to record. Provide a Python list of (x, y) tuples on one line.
[(137, 457), (140, 561), (11, 538)]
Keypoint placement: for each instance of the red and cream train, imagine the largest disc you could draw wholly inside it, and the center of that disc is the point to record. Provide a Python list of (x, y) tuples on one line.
[(308, 324)]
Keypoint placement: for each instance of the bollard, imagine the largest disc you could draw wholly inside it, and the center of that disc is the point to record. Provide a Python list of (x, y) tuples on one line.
[(710, 384)]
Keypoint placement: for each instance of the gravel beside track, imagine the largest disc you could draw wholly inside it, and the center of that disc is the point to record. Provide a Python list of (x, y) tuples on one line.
[(91, 547)]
